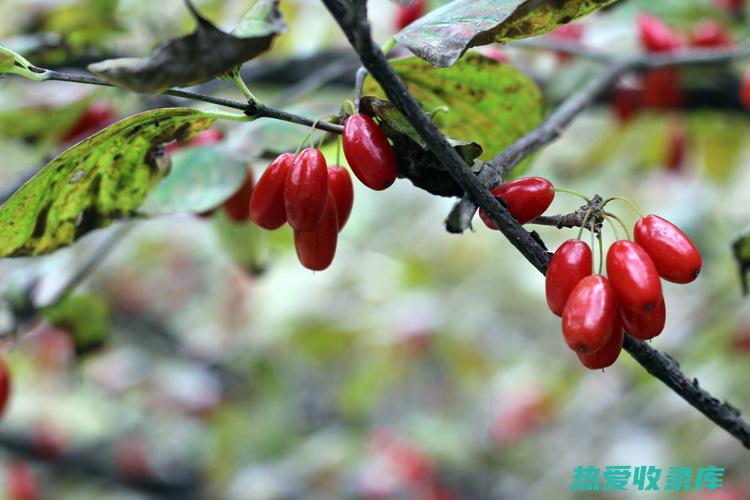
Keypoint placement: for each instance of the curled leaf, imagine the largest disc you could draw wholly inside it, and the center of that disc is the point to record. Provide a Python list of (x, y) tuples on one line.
[(442, 36), (200, 56)]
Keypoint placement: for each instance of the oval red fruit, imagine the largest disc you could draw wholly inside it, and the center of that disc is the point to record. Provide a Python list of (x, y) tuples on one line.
[(676, 258), (590, 316), (408, 13), (317, 248), (5, 385), (633, 276), (662, 89), (656, 36), (745, 89), (21, 483), (709, 33), (368, 152), (342, 190), (95, 118), (526, 199), (237, 207), (306, 190), (571, 263), (607, 355), (647, 325), (267, 207)]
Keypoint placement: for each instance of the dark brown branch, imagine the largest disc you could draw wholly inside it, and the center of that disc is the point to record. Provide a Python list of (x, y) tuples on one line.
[(256, 110), (352, 17), (91, 462)]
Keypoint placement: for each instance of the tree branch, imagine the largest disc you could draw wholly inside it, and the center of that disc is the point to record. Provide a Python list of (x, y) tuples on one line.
[(552, 128), (256, 110), (90, 461), (352, 17)]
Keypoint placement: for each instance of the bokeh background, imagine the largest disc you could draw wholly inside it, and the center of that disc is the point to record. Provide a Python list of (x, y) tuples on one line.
[(421, 365)]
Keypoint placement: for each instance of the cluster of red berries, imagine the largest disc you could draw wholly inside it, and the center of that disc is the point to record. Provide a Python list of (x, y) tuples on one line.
[(315, 198), (661, 88), (596, 311)]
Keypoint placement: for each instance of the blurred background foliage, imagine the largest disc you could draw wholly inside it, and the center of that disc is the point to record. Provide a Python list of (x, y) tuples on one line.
[(420, 365)]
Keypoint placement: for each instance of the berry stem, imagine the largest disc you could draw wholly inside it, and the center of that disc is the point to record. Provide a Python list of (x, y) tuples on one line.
[(626, 200), (601, 251), (574, 193), (307, 137), (348, 107), (593, 245), (612, 226), (338, 151), (619, 221), (583, 224)]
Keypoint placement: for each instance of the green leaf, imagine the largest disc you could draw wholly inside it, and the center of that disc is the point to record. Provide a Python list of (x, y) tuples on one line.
[(490, 103), (741, 248), (201, 178), (10, 62), (94, 182), (85, 316), (442, 36), (196, 58)]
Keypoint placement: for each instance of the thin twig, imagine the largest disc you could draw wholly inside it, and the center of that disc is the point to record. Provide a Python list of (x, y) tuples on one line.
[(352, 17), (250, 109), (552, 128)]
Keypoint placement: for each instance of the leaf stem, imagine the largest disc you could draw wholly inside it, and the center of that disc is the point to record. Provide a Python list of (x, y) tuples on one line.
[(240, 83), (388, 46)]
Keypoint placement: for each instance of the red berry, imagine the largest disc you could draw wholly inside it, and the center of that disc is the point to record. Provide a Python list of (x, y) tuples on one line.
[(567, 33), (206, 137), (48, 439), (646, 325), (237, 207), (633, 276), (607, 355), (95, 118), (131, 458), (368, 152), (709, 33), (407, 14), (745, 89), (656, 36), (21, 482), (4, 385), (343, 192), (306, 190), (526, 199), (626, 101), (590, 315), (267, 206), (734, 6), (571, 263), (677, 143), (662, 89), (676, 258), (317, 247)]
